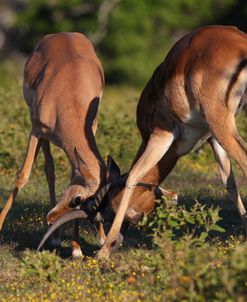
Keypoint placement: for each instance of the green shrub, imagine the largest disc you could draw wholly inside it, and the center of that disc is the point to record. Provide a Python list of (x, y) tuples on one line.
[(175, 222), (44, 265), (189, 268)]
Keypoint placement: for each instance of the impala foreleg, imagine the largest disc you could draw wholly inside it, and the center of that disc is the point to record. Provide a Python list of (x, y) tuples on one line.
[(99, 227), (50, 177), (158, 144), (49, 171), (75, 243)]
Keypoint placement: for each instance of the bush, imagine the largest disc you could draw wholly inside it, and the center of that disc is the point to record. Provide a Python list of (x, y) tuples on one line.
[(44, 265), (177, 222), (189, 268)]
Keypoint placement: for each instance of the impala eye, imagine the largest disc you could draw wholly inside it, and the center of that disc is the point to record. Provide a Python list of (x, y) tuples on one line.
[(75, 202)]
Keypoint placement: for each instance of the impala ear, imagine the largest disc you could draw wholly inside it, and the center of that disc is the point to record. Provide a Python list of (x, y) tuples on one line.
[(112, 170), (83, 168)]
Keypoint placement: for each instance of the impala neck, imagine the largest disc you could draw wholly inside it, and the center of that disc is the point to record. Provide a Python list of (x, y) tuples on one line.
[(88, 166)]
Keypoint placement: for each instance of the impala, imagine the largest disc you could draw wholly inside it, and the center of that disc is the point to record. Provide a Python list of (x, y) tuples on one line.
[(63, 84), (193, 96)]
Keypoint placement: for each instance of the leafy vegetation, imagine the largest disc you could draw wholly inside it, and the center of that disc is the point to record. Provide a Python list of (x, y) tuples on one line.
[(177, 222)]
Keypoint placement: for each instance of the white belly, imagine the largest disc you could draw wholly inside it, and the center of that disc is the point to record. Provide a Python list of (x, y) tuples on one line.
[(191, 139)]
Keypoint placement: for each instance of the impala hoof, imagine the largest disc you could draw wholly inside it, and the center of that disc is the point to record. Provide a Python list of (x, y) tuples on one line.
[(76, 250), (103, 253), (77, 253)]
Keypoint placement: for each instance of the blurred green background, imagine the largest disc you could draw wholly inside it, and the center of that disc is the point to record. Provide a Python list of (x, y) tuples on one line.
[(131, 36)]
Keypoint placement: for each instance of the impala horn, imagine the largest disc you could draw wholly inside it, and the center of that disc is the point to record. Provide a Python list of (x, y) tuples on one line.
[(65, 218), (95, 202)]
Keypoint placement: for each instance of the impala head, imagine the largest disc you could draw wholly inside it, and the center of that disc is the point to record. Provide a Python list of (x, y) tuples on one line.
[(143, 200), (83, 185), (77, 191), (109, 197)]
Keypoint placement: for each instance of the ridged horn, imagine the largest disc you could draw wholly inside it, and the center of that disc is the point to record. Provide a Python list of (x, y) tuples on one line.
[(95, 202), (63, 219)]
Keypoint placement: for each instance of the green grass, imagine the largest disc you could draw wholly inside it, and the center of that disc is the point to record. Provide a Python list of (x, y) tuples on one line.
[(158, 268)]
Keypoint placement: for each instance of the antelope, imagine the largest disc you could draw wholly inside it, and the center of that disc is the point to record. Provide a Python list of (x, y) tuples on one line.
[(63, 84), (192, 97)]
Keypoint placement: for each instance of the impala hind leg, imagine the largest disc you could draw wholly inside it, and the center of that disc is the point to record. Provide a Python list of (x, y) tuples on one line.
[(225, 132), (158, 144), (227, 176), (22, 175), (49, 171)]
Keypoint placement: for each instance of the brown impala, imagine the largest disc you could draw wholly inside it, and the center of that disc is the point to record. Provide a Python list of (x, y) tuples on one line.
[(192, 96), (63, 84)]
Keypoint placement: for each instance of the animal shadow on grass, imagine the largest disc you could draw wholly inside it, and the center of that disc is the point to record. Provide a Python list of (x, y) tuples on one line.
[(26, 225)]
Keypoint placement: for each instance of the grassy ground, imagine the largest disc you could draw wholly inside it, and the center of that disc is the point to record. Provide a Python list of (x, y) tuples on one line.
[(174, 264)]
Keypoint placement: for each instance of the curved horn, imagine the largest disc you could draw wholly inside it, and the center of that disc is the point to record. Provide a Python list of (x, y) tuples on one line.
[(101, 194), (94, 202), (65, 218)]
